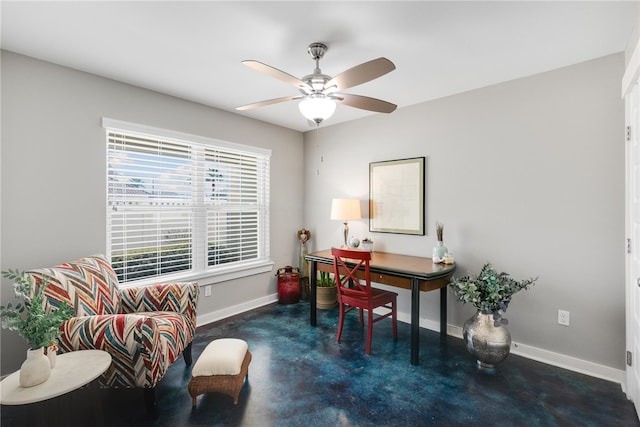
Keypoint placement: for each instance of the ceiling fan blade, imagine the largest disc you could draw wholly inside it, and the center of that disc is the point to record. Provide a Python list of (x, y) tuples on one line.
[(267, 102), (365, 103), (275, 73), (362, 73)]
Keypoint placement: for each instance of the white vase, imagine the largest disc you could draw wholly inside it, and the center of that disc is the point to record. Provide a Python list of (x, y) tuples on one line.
[(36, 369)]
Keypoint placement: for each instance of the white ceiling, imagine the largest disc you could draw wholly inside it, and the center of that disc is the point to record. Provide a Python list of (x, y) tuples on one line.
[(193, 50)]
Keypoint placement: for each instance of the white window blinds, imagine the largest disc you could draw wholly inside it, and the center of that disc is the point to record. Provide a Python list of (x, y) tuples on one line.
[(176, 205)]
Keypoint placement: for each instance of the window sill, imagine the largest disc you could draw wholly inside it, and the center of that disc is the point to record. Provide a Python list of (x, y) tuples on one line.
[(209, 277)]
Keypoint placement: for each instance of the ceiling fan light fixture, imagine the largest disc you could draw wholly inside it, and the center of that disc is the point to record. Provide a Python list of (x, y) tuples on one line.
[(317, 108), (320, 91)]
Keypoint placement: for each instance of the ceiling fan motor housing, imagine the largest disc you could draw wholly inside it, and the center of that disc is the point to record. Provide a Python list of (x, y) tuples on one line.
[(317, 50)]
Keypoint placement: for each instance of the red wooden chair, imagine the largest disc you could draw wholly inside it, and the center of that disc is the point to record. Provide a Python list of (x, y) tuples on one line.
[(354, 293)]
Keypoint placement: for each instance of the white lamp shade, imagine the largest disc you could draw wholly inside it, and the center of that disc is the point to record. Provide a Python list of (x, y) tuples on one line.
[(345, 209), (317, 109)]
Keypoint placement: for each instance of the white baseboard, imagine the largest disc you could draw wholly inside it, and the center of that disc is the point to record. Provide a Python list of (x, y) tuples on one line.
[(538, 354), (524, 350), (570, 363), (214, 316), (556, 359)]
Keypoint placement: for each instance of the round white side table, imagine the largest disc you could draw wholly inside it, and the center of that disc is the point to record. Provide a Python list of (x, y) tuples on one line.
[(72, 371)]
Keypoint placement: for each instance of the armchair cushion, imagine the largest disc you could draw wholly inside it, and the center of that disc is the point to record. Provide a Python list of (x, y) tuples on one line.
[(132, 340), (177, 297), (144, 329)]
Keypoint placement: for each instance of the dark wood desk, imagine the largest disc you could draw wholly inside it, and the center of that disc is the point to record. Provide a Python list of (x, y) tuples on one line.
[(402, 271)]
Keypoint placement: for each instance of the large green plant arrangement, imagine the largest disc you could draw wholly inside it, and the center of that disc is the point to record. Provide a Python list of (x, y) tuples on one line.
[(28, 317), (489, 291)]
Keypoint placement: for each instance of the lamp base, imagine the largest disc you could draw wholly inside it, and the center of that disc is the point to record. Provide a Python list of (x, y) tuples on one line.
[(345, 231)]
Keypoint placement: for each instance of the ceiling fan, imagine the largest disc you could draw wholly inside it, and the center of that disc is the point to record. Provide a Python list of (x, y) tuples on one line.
[(320, 92)]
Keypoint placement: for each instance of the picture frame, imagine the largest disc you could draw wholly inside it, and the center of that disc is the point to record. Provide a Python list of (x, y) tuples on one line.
[(397, 196)]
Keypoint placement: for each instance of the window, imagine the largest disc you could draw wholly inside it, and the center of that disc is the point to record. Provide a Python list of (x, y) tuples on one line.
[(183, 205)]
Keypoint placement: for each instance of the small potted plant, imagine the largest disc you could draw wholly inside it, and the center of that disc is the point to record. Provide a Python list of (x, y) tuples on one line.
[(490, 292), (326, 291), (39, 328)]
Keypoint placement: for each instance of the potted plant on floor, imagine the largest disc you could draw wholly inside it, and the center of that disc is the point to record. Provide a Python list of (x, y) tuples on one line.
[(327, 295), (485, 334), (39, 328)]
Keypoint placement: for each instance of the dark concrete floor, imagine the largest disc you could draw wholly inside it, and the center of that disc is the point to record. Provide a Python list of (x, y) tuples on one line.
[(300, 376)]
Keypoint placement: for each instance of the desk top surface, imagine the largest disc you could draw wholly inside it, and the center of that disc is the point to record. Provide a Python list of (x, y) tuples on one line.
[(408, 265), (72, 370)]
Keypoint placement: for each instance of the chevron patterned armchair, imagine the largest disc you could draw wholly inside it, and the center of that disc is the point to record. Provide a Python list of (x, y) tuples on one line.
[(144, 329)]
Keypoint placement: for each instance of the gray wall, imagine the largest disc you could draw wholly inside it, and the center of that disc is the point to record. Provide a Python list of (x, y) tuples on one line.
[(527, 174), (53, 172)]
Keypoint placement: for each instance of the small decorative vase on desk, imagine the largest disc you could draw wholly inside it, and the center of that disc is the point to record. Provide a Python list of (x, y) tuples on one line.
[(439, 250), (36, 369)]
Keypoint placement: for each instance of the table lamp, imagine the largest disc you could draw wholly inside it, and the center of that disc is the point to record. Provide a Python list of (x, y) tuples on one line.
[(345, 210)]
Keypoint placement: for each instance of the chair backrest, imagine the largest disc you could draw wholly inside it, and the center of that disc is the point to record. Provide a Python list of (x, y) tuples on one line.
[(347, 281), (89, 285)]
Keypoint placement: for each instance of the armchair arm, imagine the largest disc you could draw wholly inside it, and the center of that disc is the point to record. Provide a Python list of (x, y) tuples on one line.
[(132, 341), (179, 297)]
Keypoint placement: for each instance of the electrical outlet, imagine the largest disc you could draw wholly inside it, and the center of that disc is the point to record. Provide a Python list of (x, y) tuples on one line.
[(563, 317), (207, 291)]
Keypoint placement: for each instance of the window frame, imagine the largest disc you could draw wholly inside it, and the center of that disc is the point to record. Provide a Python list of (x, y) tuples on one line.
[(205, 275)]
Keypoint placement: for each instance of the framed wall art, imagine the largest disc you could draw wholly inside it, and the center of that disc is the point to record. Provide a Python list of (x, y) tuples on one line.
[(396, 196)]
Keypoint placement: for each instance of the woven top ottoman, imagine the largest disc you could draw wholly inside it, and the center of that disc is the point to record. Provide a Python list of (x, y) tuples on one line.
[(222, 368)]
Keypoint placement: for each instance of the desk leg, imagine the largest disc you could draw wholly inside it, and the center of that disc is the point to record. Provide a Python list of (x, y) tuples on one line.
[(313, 274), (443, 313), (415, 321)]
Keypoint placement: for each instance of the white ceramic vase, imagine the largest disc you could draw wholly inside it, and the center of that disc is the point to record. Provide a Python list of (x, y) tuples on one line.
[(36, 369)]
